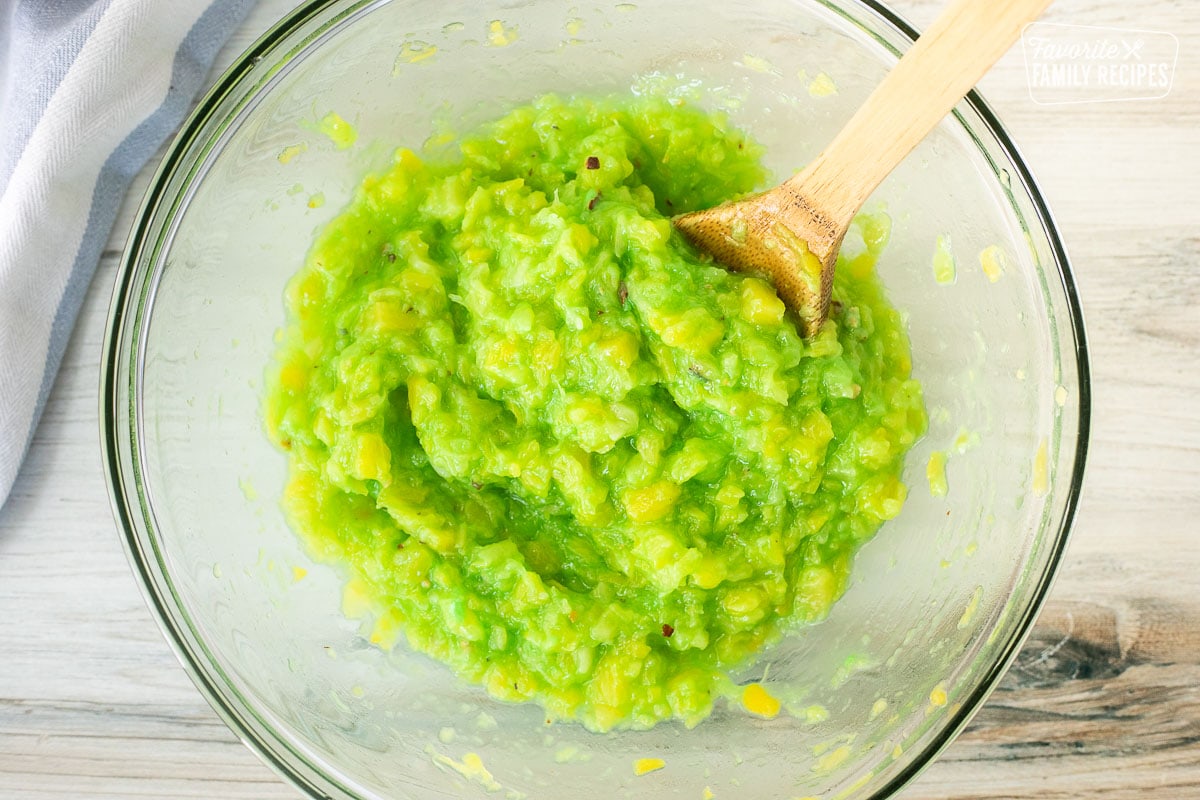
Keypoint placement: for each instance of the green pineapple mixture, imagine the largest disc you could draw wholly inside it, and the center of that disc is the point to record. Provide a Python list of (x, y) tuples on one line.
[(551, 445)]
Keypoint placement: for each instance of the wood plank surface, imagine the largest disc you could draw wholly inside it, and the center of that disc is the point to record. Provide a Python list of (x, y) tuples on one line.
[(1103, 703)]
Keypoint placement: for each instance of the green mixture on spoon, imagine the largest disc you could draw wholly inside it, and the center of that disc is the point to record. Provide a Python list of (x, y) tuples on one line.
[(553, 447)]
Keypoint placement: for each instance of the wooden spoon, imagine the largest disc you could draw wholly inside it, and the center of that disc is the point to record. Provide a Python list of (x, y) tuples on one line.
[(792, 233)]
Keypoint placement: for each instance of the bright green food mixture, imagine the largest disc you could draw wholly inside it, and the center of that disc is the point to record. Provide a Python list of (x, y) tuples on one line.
[(556, 449)]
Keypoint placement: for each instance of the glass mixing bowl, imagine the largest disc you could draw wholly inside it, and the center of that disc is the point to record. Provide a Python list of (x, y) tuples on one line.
[(940, 600)]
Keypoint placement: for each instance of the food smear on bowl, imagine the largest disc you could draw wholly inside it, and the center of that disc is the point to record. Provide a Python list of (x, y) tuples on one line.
[(945, 270), (338, 130), (758, 701), (644, 766), (555, 448)]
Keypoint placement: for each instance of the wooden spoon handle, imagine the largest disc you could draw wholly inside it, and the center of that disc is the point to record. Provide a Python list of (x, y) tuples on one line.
[(937, 71)]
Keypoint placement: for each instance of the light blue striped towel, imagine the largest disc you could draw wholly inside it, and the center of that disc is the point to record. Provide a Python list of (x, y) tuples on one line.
[(89, 89)]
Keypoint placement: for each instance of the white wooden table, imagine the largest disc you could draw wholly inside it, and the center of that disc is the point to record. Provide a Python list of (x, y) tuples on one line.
[(1103, 703)]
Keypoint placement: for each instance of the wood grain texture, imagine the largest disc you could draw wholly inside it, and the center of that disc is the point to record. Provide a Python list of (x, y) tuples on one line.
[(1104, 701)]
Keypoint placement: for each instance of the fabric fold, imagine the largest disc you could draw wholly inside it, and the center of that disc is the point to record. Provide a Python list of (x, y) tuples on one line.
[(91, 89)]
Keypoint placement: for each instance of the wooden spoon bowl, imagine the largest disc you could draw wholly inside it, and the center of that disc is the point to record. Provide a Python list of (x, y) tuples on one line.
[(791, 234)]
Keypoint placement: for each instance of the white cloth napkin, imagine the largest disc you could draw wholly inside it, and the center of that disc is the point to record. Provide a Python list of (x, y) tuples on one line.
[(89, 89)]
